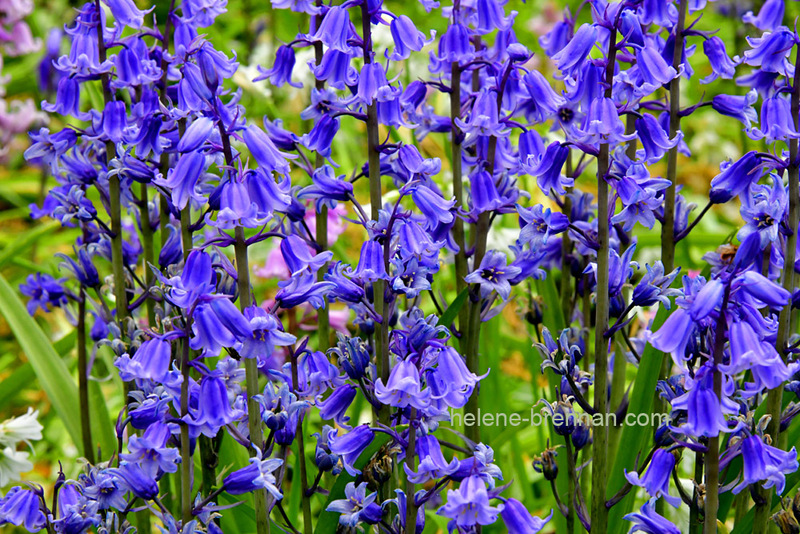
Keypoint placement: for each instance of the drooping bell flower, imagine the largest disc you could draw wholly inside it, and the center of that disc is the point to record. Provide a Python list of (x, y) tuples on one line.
[(407, 38), (350, 446), (656, 479), (738, 107), (546, 167), (648, 521), (771, 51), (432, 464), (327, 188), (182, 179), (455, 45), (705, 412), (571, 58), (218, 324), (436, 209), (336, 29), (151, 361), (301, 288), (469, 506), (336, 405), (131, 477), (336, 69), (491, 17), (518, 519), (264, 150), (257, 475), (371, 265), (196, 134), (764, 211), (544, 101), (483, 119), (769, 18), (299, 256), (320, 138), (403, 388), (21, 507), (602, 124), (484, 193), (150, 451), (267, 334), (722, 66), (539, 223), (214, 409), (766, 463), (281, 71), (777, 123), (736, 177), (655, 140)]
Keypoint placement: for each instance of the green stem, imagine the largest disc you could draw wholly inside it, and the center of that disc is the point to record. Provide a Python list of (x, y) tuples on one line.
[(323, 331), (775, 396), (458, 190), (411, 508), (83, 382), (571, 477), (149, 254), (301, 455), (599, 512)]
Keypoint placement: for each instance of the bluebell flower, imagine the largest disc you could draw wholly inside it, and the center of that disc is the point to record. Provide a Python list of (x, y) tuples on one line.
[(494, 274), (656, 479), (196, 134), (655, 140), (183, 178), (267, 334), (323, 458), (353, 356), (372, 84), (299, 256), (602, 124), (451, 382), (21, 507), (769, 18), (151, 361), (436, 209), (652, 69), (483, 119), (654, 286), (722, 66), (327, 188), (777, 123), (76, 513), (455, 45), (357, 507), (336, 29), (217, 324), (738, 107), (257, 475), (771, 51), (571, 57), (406, 37), (546, 167), (469, 506), (350, 446), (336, 405), (68, 100), (763, 210), (344, 288), (281, 71), (518, 519), (736, 177), (336, 69), (766, 463), (150, 451), (44, 292), (214, 408), (480, 465), (371, 263), (301, 288), (320, 138), (648, 521), (264, 150), (131, 477), (540, 224), (705, 412), (403, 388), (432, 464)]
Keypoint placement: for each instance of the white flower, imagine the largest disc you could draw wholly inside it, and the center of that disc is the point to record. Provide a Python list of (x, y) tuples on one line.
[(12, 463), (23, 428)]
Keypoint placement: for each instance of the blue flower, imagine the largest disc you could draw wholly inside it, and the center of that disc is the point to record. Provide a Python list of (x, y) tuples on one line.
[(735, 177), (738, 107), (150, 451), (721, 65), (769, 18), (771, 51), (407, 38), (43, 291), (648, 521), (281, 71), (767, 463), (403, 388), (432, 464), (571, 57), (519, 520), (351, 445), (539, 224), (257, 475), (468, 506), (336, 405), (777, 123), (357, 507), (656, 479), (21, 507), (705, 412), (494, 274)]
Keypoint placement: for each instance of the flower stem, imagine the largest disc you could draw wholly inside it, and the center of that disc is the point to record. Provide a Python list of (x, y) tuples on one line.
[(600, 447), (149, 254), (411, 508), (83, 383), (458, 189), (375, 196), (301, 455), (775, 396)]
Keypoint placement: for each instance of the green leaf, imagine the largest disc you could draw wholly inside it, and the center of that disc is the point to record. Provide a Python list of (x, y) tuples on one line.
[(21, 244), (451, 312), (50, 369), (328, 522), (15, 382), (634, 437)]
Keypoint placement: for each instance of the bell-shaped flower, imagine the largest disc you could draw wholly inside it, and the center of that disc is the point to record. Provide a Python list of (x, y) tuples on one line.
[(777, 123), (766, 463), (432, 464), (264, 150), (469, 506), (336, 69), (739, 107), (303, 287), (736, 177), (371, 265), (357, 507), (182, 179), (257, 475), (21, 507), (656, 479), (518, 519), (267, 333), (281, 71), (214, 408), (771, 51), (336, 405), (648, 521), (350, 446), (705, 411), (151, 361), (654, 139), (327, 188), (406, 37), (539, 223), (769, 18), (571, 58), (150, 451), (546, 167), (722, 66), (320, 138), (403, 387), (602, 124)]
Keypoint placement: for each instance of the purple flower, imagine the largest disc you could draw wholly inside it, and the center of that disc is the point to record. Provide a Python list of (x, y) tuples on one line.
[(546, 167), (403, 387), (264, 150), (767, 463), (738, 107), (483, 119), (494, 274), (656, 479), (182, 179), (705, 411), (721, 65), (407, 38), (301, 288), (281, 71), (771, 51), (150, 451), (257, 475), (539, 224), (519, 520), (336, 405), (648, 521), (432, 464), (43, 291), (21, 507), (370, 263), (267, 333), (602, 124), (571, 58), (777, 123), (736, 177), (320, 138), (357, 506), (151, 361), (654, 139), (351, 445), (468, 506), (769, 18)]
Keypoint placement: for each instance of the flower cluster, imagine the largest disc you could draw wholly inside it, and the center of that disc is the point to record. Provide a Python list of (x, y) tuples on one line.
[(171, 186)]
